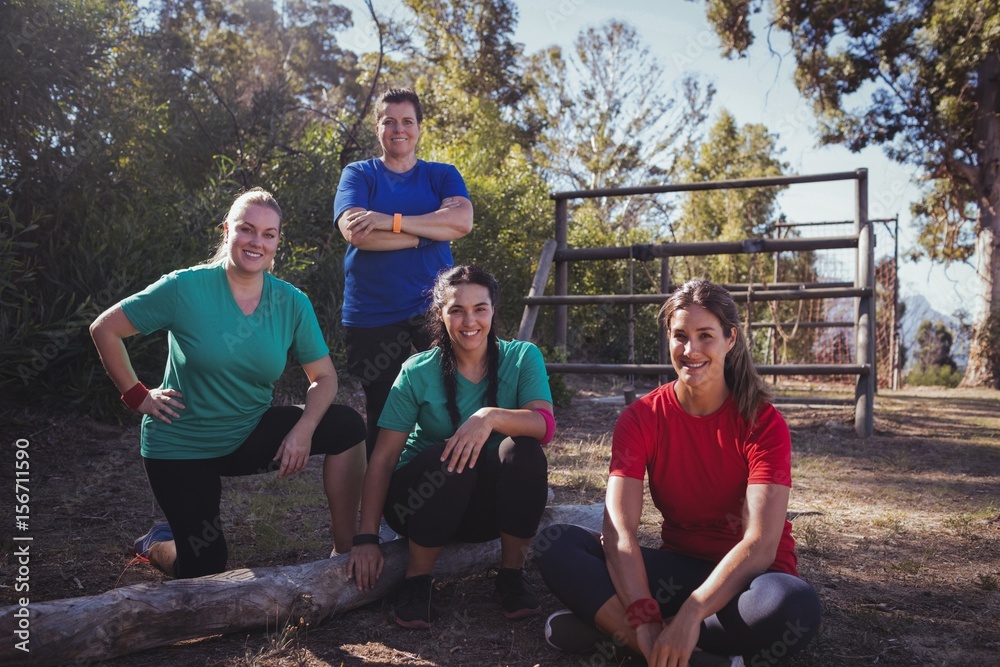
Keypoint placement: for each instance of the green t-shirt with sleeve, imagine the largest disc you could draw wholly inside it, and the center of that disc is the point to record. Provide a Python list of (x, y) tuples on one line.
[(223, 363), (418, 405)]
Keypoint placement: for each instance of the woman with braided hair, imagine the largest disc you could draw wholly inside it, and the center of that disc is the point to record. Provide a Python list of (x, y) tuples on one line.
[(459, 451)]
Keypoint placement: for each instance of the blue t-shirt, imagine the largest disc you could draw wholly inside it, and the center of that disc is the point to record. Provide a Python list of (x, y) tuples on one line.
[(385, 287), (418, 405), (223, 362)]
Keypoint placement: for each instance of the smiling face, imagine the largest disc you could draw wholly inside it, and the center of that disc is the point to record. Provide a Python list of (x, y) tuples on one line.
[(698, 348), (468, 316), (398, 130), (252, 239)]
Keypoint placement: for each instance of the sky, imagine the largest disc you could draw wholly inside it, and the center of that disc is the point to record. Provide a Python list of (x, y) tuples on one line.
[(755, 89)]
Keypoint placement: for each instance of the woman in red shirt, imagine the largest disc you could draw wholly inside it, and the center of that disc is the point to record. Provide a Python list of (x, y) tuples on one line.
[(724, 581)]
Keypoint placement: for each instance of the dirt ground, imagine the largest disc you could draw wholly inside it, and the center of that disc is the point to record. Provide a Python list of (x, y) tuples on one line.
[(899, 533)]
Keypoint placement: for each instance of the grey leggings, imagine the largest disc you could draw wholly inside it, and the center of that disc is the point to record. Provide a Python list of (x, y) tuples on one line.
[(775, 616)]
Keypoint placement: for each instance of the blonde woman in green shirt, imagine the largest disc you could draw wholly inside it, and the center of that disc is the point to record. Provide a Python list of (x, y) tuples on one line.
[(459, 451), (230, 328)]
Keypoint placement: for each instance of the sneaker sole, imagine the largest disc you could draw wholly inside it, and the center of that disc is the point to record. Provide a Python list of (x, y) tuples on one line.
[(519, 613), (413, 625), (522, 613)]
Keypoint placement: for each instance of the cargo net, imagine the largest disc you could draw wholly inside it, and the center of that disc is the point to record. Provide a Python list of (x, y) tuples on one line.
[(822, 331)]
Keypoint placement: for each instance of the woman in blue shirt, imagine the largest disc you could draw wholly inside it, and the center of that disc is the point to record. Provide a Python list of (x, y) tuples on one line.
[(398, 215), (230, 327)]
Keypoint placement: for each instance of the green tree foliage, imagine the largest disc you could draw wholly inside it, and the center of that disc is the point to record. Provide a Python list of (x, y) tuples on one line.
[(921, 79), (934, 364), (730, 152), (734, 152), (143, 142)]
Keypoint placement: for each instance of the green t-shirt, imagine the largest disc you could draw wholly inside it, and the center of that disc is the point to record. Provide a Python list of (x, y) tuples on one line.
[(417, 403), (223, 362)]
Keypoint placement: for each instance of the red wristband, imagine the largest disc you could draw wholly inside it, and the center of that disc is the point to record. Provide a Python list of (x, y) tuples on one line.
[(643, 611), (135, 396)]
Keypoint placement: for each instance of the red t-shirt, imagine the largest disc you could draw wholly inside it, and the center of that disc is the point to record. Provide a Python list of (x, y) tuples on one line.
[(699, 468)]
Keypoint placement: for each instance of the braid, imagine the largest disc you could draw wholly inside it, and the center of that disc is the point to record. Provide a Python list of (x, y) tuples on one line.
[(450, 383), (492, 368), (447, 279)]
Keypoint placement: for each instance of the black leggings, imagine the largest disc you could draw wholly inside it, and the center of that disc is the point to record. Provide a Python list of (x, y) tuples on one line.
[(375, 355), (775, 616), (504, 493), (189, 490)]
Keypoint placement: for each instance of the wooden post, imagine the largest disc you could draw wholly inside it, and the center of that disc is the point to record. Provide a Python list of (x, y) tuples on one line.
[(864, 342), (131, 619), (562, 273), (537, 288)]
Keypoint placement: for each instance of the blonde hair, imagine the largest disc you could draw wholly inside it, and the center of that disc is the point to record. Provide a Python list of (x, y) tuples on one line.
[(750, 392), (253, 197)]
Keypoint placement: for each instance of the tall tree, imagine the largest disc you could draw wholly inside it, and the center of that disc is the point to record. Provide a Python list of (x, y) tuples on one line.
[(610, 120), (731, 152), (931, 70)]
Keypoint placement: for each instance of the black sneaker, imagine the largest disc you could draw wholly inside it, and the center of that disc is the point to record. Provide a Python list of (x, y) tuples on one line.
[(514, 594), (413, 604), (568, 632)]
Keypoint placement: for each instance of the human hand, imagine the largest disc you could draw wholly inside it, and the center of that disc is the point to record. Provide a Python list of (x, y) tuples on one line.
[(160, 404), (463, 448), (361, 223), (365, 565), (676, 642), (293, 452)]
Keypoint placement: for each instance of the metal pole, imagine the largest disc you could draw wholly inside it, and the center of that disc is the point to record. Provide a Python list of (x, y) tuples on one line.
[(894, 362), (864, 343), (664, 343), (562, 273)]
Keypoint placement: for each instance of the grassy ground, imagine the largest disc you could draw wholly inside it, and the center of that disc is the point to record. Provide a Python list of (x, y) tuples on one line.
[(900, 535)]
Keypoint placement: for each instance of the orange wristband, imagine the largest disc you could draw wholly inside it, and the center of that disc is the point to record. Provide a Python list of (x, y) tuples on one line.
[(397, 223)]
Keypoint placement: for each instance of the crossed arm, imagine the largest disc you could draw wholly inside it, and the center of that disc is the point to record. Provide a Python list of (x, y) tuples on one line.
[(372, 230)]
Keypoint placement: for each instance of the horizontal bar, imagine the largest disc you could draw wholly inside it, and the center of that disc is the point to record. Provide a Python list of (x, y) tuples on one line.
[(831, 222), (711, 185), (802, 400), (742, 287), (702, 248), (664, 369), (763, 295), (806, 325)]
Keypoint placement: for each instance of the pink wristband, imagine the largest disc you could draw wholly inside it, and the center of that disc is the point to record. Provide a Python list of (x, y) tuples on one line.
[(550, 425)]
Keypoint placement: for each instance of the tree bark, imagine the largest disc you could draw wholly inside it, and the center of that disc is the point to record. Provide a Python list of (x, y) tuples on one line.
[(127, 620), (983, 358)]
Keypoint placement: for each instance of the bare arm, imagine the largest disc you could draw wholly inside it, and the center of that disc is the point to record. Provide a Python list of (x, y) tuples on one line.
[(366, 560), (296, 445), (619, 537), (109, 332), (763, 520), (464, 446), (450, 222), (378, 241)]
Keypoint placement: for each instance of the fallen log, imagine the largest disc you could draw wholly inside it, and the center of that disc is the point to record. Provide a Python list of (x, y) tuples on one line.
[(126, 620)]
